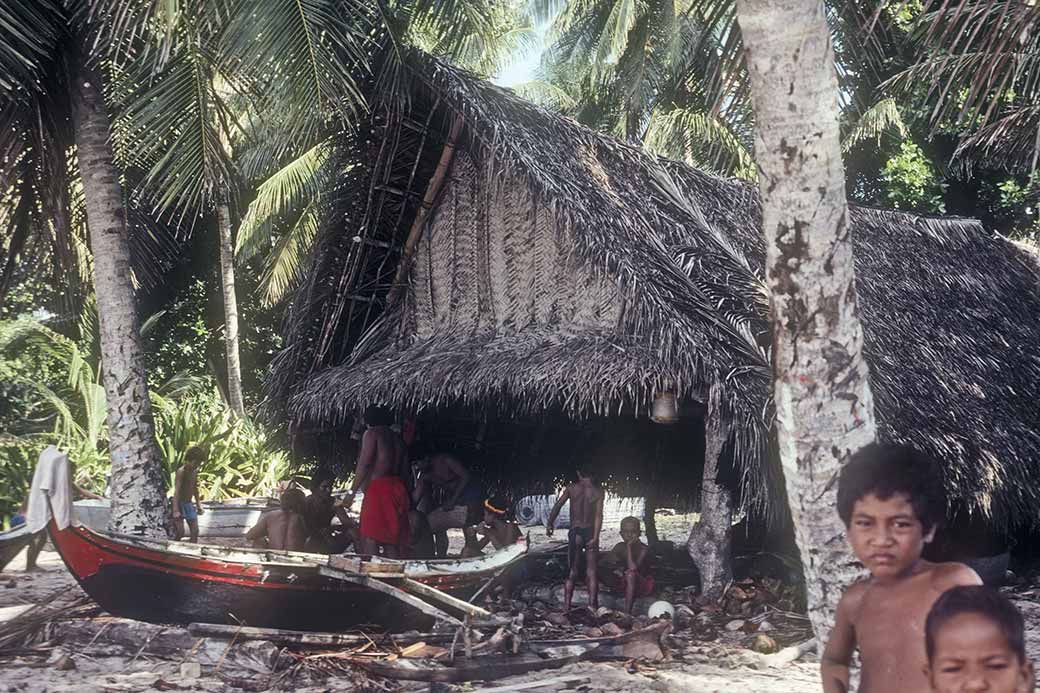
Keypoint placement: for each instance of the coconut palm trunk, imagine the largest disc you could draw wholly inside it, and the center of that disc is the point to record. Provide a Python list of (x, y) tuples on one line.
[(823, 399), (138, 491), (227, 282)]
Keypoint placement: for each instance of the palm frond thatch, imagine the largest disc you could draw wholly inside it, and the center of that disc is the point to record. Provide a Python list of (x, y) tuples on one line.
[(562, 268)]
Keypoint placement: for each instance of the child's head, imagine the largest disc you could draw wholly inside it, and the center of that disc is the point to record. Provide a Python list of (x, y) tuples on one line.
[(890, 499), (585, 474), (495, 508), (195, 456), (630, 529), (975, 640), (293, 500)]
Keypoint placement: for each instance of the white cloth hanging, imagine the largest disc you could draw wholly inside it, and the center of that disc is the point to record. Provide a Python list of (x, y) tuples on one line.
[(50, 481)]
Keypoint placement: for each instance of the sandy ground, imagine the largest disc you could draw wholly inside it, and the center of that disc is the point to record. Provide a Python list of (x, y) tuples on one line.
[(95, 669), (96, 672)]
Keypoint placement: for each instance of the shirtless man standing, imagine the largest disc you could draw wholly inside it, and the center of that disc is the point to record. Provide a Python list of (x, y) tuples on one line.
[(586, 499), (380, 476), (284, 529)]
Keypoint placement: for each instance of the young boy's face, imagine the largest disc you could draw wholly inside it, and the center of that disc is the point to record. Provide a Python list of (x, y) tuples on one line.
[(629, 532), (972, 654), (886, 535)]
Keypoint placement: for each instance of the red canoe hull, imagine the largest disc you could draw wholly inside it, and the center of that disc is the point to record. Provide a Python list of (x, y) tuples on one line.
[(148, 584)]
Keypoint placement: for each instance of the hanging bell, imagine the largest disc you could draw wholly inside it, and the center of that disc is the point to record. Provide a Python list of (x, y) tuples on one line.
[(665, 409)]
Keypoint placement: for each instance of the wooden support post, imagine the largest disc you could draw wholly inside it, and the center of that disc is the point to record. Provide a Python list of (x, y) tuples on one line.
[(710, 541), (432, 189)]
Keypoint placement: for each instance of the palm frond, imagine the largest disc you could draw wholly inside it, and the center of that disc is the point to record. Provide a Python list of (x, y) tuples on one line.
[(545, 93), (286, 263), (29, 30), (979, 58), (306, 54), (289, 189), (702, 139), (173, 133), (880, 118)]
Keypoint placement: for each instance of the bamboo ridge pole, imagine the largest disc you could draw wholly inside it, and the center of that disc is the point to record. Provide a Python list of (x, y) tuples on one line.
[(432, 189)]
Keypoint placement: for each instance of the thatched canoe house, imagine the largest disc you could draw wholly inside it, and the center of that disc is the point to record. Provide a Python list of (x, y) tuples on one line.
[(494, 255)]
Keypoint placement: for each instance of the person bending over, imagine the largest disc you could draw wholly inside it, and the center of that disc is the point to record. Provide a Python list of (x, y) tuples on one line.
[(442, 477)]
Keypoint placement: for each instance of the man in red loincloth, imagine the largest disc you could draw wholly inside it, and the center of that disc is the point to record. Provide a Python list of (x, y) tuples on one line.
[(380, 475)]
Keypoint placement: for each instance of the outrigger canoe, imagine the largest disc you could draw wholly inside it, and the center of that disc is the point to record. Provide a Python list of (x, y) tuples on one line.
[(12, 542), (175, 582)]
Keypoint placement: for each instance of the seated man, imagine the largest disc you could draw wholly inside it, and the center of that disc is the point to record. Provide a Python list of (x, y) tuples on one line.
[(625, 567), (284, 529), (319, 509)]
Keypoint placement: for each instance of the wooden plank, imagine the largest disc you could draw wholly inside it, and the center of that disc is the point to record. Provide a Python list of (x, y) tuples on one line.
[(483, 668), (446, 599), (392, 591), (349, 564), (432, 189), (300, 637)]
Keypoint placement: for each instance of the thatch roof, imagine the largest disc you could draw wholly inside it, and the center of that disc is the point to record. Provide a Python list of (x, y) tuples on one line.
[(950, 311)]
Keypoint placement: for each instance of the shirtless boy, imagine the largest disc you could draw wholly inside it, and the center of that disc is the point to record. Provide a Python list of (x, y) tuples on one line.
[(497, 529), (284, 529), (891, 501), (384, 511), (186, 505), (626, 565), (586, 499), (975, 641)]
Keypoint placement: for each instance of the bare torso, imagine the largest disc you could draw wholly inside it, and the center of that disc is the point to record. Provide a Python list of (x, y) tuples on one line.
[(186, 480), (889, 626), (502, 534), (388, 453), (584, 498), (284, 530)]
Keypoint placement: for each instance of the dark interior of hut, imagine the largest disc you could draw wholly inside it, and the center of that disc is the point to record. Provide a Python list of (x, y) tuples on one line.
[(632, 456)]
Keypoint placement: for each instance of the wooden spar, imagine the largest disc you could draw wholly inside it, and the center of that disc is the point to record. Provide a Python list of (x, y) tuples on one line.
[(483, 667), (300, 637), (393, 591), (432, 189), (445, 599)]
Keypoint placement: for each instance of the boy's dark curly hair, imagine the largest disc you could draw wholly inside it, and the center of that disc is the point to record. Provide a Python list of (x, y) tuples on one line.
[(981, 600), (885, 469)]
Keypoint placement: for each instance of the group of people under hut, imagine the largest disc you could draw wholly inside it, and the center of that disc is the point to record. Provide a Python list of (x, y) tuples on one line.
[(409, 506)]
